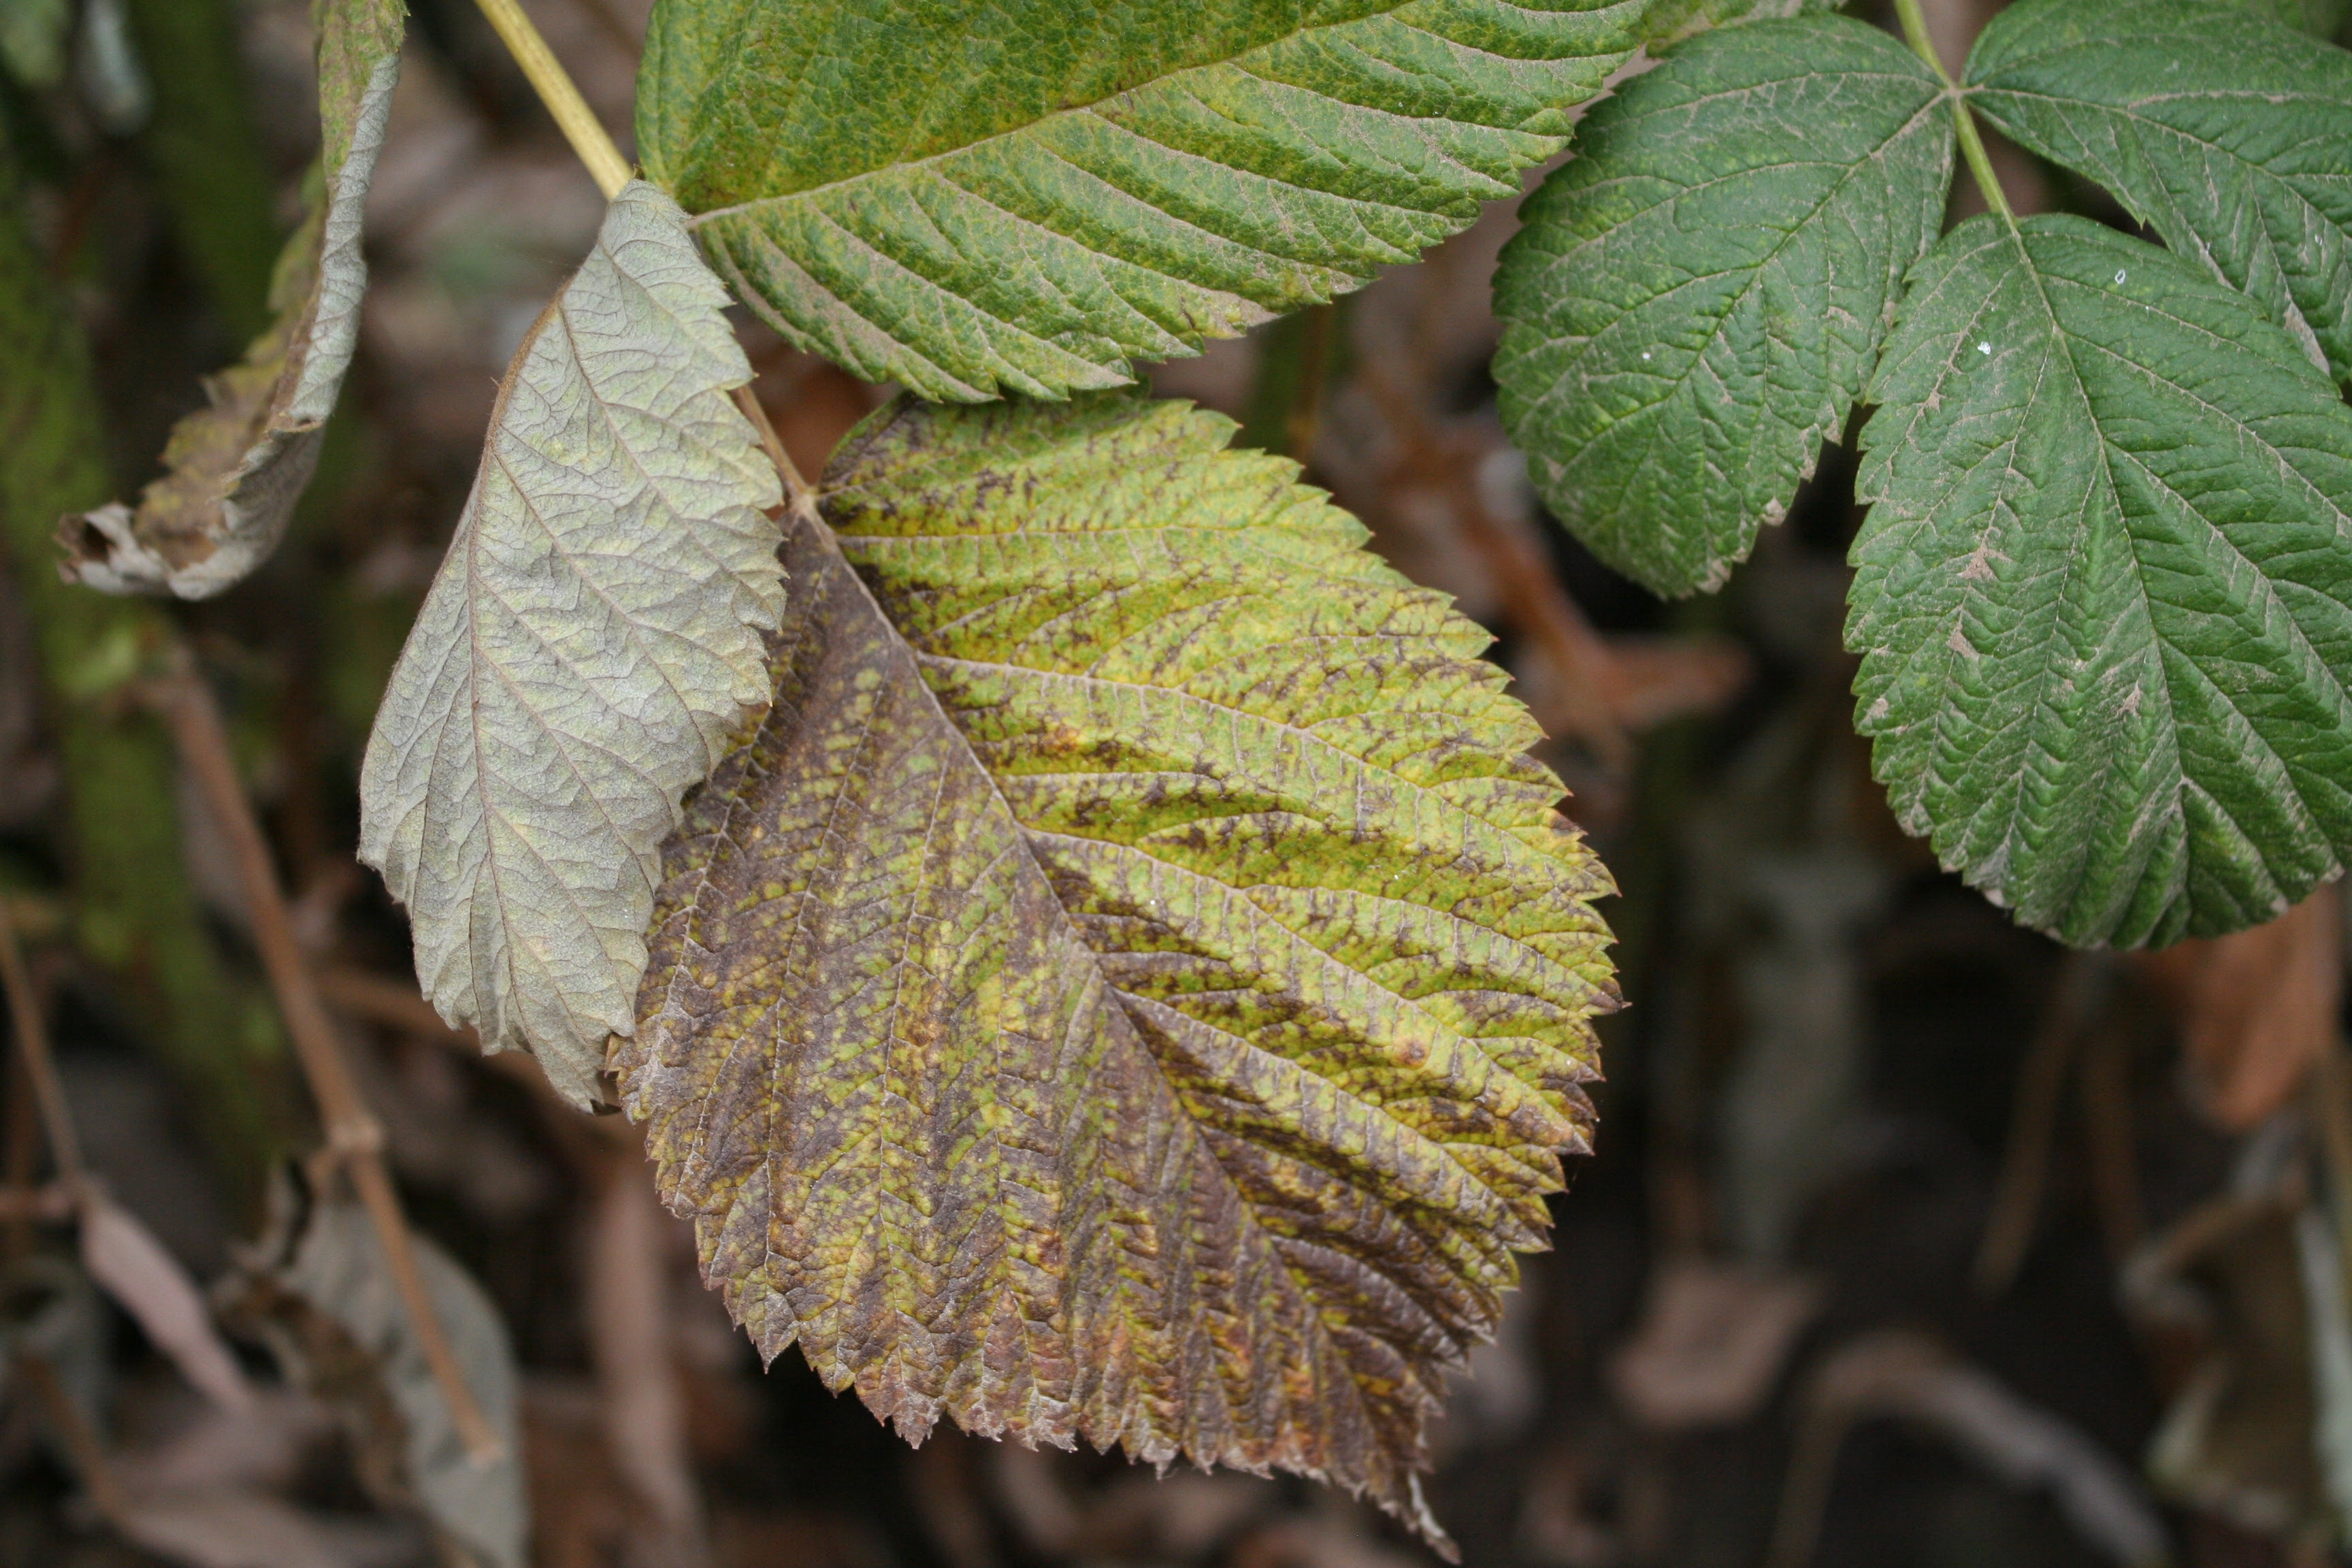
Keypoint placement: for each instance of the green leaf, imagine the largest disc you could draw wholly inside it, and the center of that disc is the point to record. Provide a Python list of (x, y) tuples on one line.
[(1698, 297), (236, 468), (2105, 591), (590, 644), (1133, 986), (1025, 195), (2230, 136), (2321, 18)]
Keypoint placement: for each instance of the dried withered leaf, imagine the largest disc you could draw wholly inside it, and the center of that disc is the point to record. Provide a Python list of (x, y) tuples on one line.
[(1133, 984), (318, 1290), (124, 1256), (2257, 1007), (590, 648), (236, 468)]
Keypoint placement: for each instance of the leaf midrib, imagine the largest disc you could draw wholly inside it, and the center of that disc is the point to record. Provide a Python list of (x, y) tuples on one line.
[(827, 540), (2013, 236), (917, 658)]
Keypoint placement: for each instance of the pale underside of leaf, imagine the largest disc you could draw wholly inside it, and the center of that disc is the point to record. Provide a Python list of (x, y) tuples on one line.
[(2103, 594), (1133, 986), (1696, 298), (1028, 197), (2229, 137), (590, 644), (236, 467)]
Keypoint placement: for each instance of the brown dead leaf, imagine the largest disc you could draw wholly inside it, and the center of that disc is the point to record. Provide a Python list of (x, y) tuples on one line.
[(2236, 1440), (234, 469), (132, 1266), (2256, 1007), (1652, 679), (1711, 1343), (235, 1528)]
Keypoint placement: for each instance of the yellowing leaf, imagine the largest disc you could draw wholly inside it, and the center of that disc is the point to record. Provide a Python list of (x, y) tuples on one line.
[(589, 647), (237, 469), (1133, 984)]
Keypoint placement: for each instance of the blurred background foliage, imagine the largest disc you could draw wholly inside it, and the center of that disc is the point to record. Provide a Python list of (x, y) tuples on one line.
[(1911, 1238)]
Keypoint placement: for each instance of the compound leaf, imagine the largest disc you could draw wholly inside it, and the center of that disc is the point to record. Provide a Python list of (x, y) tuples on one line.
[(2105, 591), (1023, 195), (590, 646), (1699, 296), (2229, 135), (1133, 985), (236, 468)]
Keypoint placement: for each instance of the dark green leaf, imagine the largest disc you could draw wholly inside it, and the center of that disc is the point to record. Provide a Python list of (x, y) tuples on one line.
[(1699, 294), (2105, 591), (2230, 136)]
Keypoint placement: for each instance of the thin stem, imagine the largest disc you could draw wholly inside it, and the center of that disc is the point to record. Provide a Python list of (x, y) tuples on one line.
[(553, 84), (1915, 34), (23, 1204), (798, 496), (1972, 147), (80, 1439), (40, 1065), (2080, 994), (1298, 431), (2330, 1092), (354, 1138)]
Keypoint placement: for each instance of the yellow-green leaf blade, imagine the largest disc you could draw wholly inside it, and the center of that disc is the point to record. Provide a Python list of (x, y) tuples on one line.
[(2104, 595), (1133, 985), (589, 647), (1026, 195), (236, 468)]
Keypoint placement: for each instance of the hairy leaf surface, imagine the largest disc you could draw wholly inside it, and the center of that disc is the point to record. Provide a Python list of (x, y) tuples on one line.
[(1698, 297), (1133, 985), (2105, 591), (2230, 136), (1022, 195), (236, 468), (591, 643)]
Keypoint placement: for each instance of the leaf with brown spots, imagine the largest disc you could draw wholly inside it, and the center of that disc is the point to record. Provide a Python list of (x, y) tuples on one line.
[(1133, 984)]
